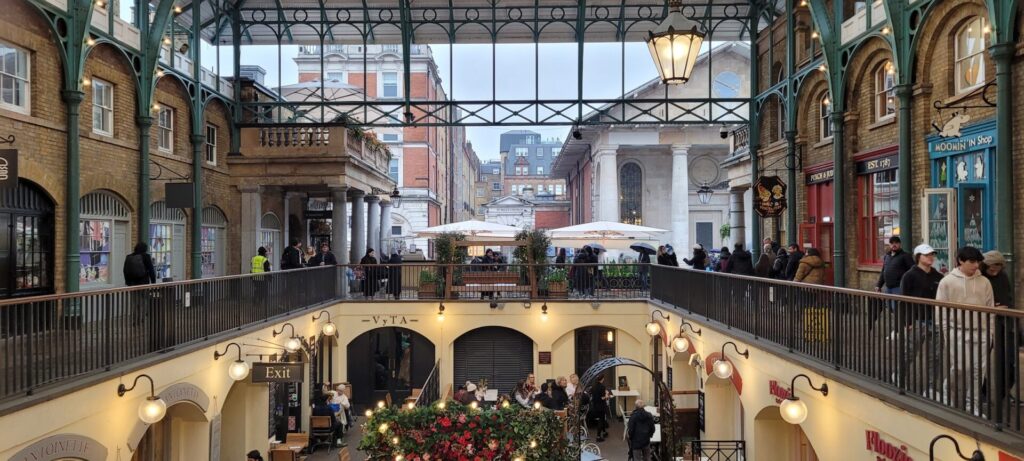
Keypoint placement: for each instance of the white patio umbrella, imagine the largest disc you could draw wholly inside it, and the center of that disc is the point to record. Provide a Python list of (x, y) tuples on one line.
[(471, 228), (605, 230)]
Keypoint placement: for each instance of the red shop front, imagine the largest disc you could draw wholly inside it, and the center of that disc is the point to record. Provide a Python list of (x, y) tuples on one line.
[(817, 231)]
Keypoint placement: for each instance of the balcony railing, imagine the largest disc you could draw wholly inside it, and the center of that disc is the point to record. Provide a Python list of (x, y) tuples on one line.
[(50, 339), (958, 357)]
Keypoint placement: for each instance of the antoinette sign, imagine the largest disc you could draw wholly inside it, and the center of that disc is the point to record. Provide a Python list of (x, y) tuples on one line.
[(769, 196)]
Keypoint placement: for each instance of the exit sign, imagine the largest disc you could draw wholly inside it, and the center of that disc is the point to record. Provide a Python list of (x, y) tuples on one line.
[(276, 372)]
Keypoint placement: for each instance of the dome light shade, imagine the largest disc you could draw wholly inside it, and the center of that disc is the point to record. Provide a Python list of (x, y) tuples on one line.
[(653, 328), (152, 410), (681, 344), (238, 370), (293, 344), (329, 329), (793, 410), (722, 369), (674, 45)]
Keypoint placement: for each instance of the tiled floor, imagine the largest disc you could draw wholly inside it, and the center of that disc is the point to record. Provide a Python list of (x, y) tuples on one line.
[(613, 449)]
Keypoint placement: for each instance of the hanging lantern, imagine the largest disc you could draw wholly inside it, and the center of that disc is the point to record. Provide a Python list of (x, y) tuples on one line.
[(704, 194), (674, 45)]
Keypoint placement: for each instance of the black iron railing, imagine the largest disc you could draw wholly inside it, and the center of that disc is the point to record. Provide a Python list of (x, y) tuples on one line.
[(964, 358), (431, 391), (717, 450), (49, 339)]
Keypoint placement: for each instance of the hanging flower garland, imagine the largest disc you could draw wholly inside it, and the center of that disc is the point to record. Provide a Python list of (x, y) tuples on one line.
[(448, 431)]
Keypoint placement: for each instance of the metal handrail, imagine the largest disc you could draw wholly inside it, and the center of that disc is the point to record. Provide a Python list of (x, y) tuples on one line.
[(431, 391)]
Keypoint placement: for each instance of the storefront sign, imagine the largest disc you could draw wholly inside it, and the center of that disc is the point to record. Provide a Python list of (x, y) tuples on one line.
[(820, 176), (318, 214), (63, 446), (185, 392), (778, 391), (769, 196), (544, 358), (878, 164), (8, 168), (885, 450), (263, 372), (983, 140), (385, 320)]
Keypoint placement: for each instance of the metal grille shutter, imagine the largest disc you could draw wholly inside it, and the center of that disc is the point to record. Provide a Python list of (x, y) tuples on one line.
[(501, 355)]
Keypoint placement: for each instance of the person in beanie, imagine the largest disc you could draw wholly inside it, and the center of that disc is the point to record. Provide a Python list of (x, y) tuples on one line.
[(964, 333), (992, 268), (670, 256), (700, 258), (895, 263)]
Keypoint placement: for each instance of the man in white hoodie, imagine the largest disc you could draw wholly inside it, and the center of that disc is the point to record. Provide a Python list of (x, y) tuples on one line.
[(967, 332)]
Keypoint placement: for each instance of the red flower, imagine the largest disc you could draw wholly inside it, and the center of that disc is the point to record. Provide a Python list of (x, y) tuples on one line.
[(445, 422)]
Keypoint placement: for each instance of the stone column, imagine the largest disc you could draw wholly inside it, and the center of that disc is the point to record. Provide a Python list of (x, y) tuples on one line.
[(286, 231), (373, 223), (608, 184), (339, 233), (358, 226), (251, 213), (680, 204), (385, 227), (737, 223)]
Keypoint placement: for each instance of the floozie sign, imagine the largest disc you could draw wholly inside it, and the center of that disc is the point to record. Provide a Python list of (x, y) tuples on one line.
[(778, 391), (885, 450)]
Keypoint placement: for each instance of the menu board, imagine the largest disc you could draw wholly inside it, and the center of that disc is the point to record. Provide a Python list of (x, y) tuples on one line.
[(938, 217)]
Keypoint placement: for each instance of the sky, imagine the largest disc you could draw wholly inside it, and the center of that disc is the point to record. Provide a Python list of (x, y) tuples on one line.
[(512, 76)]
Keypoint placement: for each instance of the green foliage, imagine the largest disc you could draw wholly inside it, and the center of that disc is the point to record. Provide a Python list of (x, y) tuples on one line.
[(460, 432), (557, 275), (620, 271), (427, 276), (447, 251), (536, 249), (725, 231)]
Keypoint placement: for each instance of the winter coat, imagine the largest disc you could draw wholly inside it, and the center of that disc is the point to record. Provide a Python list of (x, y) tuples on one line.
[(740, 263), (395, 275), (764, 266), (323, 259), (641, 429), (963, 329), (779, 268), (793, 265), (723, 263), (1002, 291), (894, 265), (670, 259), (917, 283), (811, 270), (292, 259), (699, 261)]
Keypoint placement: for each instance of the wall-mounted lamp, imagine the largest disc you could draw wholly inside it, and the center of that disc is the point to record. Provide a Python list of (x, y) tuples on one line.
[(153, 408), (654, 328), (329, 328), (976, 456), (722, 367), (544, 312), (792, 409), (440, 312), (527, 305), (238, 369), (611, 336), (294, 343), (681, 343)]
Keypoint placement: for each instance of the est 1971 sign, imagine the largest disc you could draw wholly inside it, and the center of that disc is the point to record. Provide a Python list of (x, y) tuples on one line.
[(276, 372)]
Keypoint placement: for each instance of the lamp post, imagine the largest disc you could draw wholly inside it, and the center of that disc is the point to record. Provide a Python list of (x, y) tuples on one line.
[(681, 343), (976, 456), (654, 328), (792, 409), (704, 194), (329, 328), (294, 343), (238, 369), (674, 45), (152, 409), (722, 368)]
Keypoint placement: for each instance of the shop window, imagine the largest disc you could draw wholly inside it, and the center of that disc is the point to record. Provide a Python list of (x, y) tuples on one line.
[(103, 240), (26, 238), (165, 125), (212, 245), (211, 145), (270, 236), (825, 121), (102, 107), (558, 189), (389, 84), (878, 210), (14, 78), (631, 194), (970, 55), (167, 241), (885, 95)]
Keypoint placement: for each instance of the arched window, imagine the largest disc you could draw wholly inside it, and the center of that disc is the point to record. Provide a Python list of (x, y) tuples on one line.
[(214, 230), (970, 55), (103, 239), (885, 95), (825, 122), (26, 234), (270, 236), (167, 241), (631, 194)]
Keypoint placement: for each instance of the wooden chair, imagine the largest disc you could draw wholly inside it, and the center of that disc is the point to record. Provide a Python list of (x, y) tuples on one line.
[(322, 432), (297, 439), (343, 454), (283, 455)]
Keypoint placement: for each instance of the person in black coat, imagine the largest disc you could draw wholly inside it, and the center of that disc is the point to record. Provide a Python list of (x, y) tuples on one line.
[(322, 407), (323, 258), (598, 413), (795, 255), (395, 274), (545, 398), (370, 274), (135, 274), (895, 263), (700, 258), (560, 259), (740, 263), (723, 260), (292, 258), (779, 267), (670, 256), (559, 394), (640, 429)]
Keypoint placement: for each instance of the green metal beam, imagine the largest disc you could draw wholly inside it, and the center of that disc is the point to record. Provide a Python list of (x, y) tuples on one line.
[(791, 108), (755, 118), (1002, 14), (900, 42), (198, 138)]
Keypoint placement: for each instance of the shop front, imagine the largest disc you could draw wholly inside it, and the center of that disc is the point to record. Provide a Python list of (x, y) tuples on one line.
[(878, 219), (958, 210), (817, 231)]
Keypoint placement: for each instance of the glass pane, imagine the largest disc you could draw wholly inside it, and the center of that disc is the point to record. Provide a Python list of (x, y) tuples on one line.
[(973, 218), (94, 240), (631, 194)]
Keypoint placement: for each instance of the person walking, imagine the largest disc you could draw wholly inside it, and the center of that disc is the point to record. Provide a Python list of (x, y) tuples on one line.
[(740, 263), (598, 413), (700, 258), (795, 255), (765, 262), (639, 431), (369, 263), (138, 270), (644, 270), (992, 268), (967, 338), (723, 260), (895, 263), (811, 269), (779, 266), (915, 320), (395, 274), (1002, 292), (292, 257), (324, 257)]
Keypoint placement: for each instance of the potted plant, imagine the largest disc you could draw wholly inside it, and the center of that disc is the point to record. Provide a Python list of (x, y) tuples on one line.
[(448, 252), (428, 285), (556, 281)]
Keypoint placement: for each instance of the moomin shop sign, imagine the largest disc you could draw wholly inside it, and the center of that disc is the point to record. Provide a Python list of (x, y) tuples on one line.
[(769, 196)]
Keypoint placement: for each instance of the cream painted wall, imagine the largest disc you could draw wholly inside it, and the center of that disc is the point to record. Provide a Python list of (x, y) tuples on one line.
[(190, 433), (244, 420), (722, 411)]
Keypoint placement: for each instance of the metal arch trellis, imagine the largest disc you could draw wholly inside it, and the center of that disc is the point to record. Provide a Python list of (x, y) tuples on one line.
[(671, 446), (494, 23)]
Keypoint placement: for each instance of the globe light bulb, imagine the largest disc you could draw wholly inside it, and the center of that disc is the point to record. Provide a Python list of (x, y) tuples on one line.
[(440, 316), (412, 405), (793, 411), (504, 404), (653, 328), (238, 370), (329, 329), (533, 444), (380, 404), (680, 344), (473, 405), (440, 405), (293, 344), (369, 413), (152, 410), (536, 405), (723, 369), (383, 428)]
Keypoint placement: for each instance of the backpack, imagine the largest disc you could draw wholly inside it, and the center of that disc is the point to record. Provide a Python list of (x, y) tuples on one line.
[(134, 267)]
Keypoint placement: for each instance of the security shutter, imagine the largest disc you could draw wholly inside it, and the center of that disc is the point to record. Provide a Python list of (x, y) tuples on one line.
[(500, 355)]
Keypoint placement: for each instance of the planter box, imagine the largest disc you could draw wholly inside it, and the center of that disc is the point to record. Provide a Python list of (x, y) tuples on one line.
[(427, 290), (557, 290), (489, 278)]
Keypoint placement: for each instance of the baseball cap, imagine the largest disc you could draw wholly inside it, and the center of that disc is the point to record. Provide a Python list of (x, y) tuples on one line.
[(923, 249)]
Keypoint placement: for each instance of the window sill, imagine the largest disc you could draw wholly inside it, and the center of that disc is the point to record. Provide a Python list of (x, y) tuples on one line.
[(862, 267), (888, 120), (823, 143), (27, 111)]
